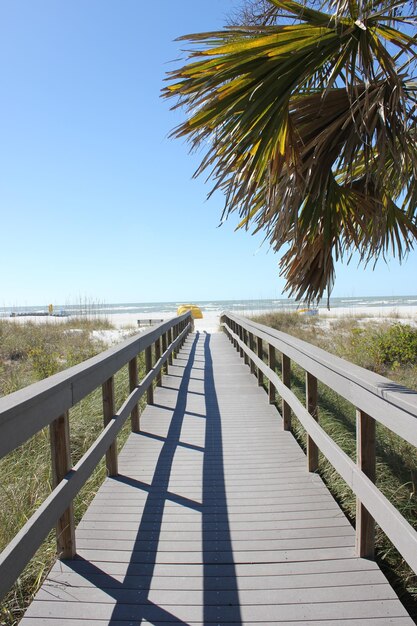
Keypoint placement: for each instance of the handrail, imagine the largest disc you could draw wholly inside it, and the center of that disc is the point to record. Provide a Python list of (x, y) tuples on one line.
[(47, 402), (376, 399)]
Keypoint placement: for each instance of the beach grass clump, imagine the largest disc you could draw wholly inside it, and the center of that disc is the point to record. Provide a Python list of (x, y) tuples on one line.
[(28, 353), (31, 352), (390, 349)]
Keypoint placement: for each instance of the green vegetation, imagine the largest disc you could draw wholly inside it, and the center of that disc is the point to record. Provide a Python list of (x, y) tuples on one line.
[(305, 112), (30, 352), (390, 350)]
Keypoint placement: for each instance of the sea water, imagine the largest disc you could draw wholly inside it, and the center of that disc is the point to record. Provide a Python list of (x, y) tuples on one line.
[(212, 306)]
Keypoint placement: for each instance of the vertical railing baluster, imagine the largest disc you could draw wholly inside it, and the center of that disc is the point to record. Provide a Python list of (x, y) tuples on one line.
[(157, 357), (169, 343), (133, 383), (272, 362), (61, 465), (366, 461), (286, 379), (148, 367), (245, 341), (251, 346), (108, 414), (164, 347), (260, 352), (241, 339), (311, 406)]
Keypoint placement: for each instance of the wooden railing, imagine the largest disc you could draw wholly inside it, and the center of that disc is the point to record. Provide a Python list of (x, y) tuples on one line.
[(47, 403), (376, 399)]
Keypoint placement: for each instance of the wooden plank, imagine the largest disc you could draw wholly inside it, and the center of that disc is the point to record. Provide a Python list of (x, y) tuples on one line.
[(61, 464), (184, 614)]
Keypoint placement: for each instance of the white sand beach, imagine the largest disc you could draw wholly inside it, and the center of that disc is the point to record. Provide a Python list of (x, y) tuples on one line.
[(127, 323)]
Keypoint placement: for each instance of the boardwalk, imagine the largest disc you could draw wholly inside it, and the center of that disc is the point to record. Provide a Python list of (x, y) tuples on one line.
[(214, 520)]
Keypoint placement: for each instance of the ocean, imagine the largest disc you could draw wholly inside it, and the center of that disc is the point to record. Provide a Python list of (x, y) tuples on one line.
[(212, 306)]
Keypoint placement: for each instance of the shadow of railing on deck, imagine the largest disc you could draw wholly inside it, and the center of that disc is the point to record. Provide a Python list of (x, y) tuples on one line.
[(220, 592), (221, 595)]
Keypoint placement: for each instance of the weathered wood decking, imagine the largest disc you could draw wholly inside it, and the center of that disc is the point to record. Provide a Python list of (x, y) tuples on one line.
[(214, 520)]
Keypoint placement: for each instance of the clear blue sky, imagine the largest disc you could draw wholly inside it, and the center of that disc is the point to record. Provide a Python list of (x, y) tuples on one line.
[(95, 200)]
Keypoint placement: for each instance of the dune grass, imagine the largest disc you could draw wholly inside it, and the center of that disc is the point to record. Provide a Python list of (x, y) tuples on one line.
[(388, 349)]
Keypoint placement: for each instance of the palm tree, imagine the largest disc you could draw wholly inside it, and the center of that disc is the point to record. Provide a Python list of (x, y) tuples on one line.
[(309, 129)]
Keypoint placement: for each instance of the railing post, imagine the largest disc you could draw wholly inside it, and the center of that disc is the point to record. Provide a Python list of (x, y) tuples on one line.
[(108, 413), (133, 383), (272, 362), (251, 346), (260, 352), (366, 461), (245, 341), (148, 367), (164, 347), (311, 406), (157, 357), (241, 339), (286, 379), (174, 336), (169, 343), (61, 465)]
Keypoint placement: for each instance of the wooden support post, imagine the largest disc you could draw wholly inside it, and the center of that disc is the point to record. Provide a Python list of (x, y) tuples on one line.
[(61, 465), (157, 357), (365, 458), (174, 336), (311, 406), (108, 414), (133, 382), (164, 347), (169, 343), (245, 341), (286, 379), (272, 362), (251, 346), (241, 339), (148, 367), (233, 328), (260, 352)]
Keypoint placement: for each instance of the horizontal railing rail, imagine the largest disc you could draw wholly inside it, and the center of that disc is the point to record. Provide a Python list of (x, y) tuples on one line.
[(375, 398), (26, 412)]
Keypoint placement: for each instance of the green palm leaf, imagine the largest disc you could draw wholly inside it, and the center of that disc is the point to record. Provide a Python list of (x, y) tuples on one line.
[(309, 128)]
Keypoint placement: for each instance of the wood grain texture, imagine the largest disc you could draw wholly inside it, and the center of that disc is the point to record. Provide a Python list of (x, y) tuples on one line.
[(214, 519), (387, 402), (133, 381), (59, 432), (366, 460), (25, 412), (109, 411), (399, 531), (25, 543)]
